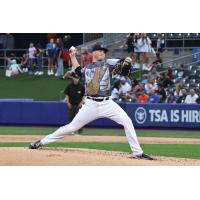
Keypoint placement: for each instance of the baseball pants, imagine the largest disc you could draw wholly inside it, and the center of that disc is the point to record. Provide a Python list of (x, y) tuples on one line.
[(92, 110)]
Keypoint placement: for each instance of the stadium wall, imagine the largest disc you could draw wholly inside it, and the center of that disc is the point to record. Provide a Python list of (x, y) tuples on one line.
[(41, 113)]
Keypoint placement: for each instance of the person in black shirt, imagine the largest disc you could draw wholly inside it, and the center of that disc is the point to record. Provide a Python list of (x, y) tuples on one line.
[(74, 96), (162, 93), (130, 45)]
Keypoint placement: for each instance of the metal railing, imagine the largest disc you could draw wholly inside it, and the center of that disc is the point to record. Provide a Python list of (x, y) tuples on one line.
[(18, 53), (171, 39), (184, 56)]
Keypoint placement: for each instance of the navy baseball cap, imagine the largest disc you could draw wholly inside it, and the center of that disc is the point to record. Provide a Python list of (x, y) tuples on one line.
[(99, 47)]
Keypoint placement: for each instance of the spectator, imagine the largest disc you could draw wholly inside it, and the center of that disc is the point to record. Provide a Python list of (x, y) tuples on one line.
[(181, 99), (151, 84), (14, 68), (137, 53), (144, 46), (130, 45), (160, 43), (125, 86), (74, 96), (142, 84), (143, 98), (167, 82), (169, 72), (156, 62), (154, 97), (50, 51), (135, 86), (67, 44), (115, 94), (39, 64), (181, 71), (133, 94), (145, 78), (59, 57), (162, 93), (86, 58), (24, 62), (178, 91), (191, 98), (170, 98), (154, 73), (198, 100), (161, 78), (31, 58)]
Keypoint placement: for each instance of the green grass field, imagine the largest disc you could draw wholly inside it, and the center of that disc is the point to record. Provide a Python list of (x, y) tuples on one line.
[(110, 132), (30, 86), (170, 150), (34, 87)]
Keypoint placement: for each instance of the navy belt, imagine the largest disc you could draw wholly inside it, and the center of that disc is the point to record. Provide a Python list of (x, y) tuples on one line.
[(99, 99)]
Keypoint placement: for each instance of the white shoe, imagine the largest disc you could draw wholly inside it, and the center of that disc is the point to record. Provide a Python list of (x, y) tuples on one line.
[(8, 73), (56, 74), (26, 69), (52, 73), (36, 73), (40, 73), (49, 72)]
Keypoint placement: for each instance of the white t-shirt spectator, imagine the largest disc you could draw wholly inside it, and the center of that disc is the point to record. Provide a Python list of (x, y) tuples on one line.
[(191, 99), (149, 86), (115, 94), (125, 88), (31, 52), (144, 45), (178, 94)]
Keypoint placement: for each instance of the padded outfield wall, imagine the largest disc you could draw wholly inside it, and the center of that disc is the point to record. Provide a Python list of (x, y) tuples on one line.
[(42, 113)]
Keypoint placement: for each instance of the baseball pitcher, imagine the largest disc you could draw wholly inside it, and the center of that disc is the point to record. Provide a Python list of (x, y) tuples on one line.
[(98, 103)]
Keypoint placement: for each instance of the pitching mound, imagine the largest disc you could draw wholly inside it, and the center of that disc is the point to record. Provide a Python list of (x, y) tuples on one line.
[(80, 157)]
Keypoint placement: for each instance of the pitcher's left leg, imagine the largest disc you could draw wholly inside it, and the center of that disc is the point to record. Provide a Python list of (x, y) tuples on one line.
[(114, 112)]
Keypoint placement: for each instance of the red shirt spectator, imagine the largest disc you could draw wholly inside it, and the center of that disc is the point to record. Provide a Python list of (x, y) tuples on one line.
[(157, 61), (143, 98), (169, 72), (86, 58)]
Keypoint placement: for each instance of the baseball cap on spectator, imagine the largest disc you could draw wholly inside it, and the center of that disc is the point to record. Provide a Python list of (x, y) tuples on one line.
[(99, 47)]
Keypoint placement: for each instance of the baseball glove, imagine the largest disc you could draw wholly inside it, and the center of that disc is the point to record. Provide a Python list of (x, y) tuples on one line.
[(123, 67)]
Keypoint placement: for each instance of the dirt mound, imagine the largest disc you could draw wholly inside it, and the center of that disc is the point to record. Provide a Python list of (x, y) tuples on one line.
[(80, 157)]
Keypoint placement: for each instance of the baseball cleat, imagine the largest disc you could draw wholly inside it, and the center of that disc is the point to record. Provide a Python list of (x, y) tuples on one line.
[(35, 145), (144, 157)]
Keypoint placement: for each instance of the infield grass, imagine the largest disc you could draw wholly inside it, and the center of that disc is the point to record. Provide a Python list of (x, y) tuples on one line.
[(99, 132), (191, 151)]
